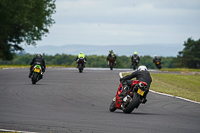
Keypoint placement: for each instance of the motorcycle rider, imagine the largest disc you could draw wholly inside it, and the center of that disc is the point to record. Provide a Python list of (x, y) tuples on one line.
[(135, 58), (81, 55), (111, 55), (35, 61), (141, 74), (156, 59)]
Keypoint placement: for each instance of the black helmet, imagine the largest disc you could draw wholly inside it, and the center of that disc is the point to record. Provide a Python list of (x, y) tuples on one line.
[(39, 55)]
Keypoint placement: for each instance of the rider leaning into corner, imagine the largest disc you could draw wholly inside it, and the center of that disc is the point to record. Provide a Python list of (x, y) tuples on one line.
[(79, 56), (35, 60), (141, 74), (111, 55)]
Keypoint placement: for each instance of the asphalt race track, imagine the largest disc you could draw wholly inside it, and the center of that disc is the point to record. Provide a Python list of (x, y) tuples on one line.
[(68, 101)]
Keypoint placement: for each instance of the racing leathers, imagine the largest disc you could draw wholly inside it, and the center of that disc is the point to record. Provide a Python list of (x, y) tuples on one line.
[(135, 58), (139, 75), (111, 55), (37, 60), (81, 55), (156, 59)]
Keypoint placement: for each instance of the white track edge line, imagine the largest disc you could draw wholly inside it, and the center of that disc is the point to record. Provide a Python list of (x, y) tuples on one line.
[(6, 130)]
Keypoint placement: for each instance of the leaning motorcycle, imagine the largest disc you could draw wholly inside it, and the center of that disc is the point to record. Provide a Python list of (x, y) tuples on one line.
[(132, 100), (80, 62), (158, 65), (111, 63), (37, 73)]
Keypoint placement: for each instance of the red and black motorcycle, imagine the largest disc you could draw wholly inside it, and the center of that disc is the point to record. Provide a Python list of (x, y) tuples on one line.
[(132, 100), (81, 64)]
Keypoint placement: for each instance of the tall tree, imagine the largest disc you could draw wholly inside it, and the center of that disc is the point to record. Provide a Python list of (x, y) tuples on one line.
[(23, 21), (190, 56)]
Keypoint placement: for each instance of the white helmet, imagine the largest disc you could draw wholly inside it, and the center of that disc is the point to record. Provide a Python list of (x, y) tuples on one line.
[(142, 68)]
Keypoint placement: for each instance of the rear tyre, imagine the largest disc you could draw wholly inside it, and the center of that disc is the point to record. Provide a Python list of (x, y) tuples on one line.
[(112, 106), (34, 79), (133, 104)]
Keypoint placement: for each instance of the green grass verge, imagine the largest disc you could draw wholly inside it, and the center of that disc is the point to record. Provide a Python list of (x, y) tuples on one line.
[(184, 70), (14, 66), (27, 66), (182, 85)]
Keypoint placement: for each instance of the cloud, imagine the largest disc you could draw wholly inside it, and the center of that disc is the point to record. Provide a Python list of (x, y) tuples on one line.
[(108, 22)]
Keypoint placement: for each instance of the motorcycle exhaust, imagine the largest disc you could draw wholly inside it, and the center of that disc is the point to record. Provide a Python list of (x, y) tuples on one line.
[(141, 85)]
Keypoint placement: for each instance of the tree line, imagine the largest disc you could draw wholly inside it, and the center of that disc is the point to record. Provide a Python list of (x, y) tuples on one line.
[(189, 57), (93, 60)]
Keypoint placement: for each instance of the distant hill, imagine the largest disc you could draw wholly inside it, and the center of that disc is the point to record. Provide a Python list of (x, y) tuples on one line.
[(128, 50)]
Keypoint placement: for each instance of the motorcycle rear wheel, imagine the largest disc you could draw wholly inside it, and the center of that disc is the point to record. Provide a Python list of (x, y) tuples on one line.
[(133, 104)]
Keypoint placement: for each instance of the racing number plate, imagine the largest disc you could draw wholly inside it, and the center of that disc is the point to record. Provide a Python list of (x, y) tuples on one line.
[(37, 70), (141, 92)]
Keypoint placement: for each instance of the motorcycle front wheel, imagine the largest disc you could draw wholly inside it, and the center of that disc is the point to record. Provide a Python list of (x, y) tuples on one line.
[(111, 66), (34, 78), (80, 67), (112, 106)]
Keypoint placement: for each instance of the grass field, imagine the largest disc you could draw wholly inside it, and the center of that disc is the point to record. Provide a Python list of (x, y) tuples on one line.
[(27, 66), (183, 70), (14, 66), (182, 85)]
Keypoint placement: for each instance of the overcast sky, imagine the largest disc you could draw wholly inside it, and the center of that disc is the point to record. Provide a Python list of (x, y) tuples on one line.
[(124, 22)]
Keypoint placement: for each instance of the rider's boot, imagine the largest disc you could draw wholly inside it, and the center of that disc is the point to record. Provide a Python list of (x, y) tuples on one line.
[(30, 74), (143, 99), (123, 93)]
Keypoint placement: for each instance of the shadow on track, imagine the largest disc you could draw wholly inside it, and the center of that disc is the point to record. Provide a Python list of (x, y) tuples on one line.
[(136, 113)]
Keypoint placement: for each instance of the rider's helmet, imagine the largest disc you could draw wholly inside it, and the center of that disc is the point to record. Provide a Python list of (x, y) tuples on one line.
[(135, 52), (155, 55), (142, 68), (39, 55), (111, 51)]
